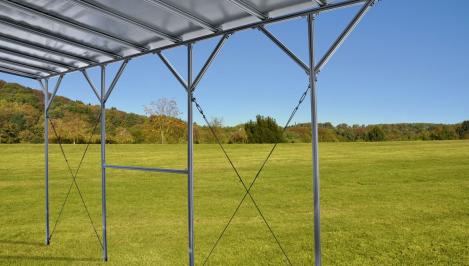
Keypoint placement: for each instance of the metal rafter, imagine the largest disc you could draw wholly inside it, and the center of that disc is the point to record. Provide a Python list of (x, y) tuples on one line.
[(173, 70), (70, 23), (44, 49), (93, 88), (338, 42), (209, 61), (184, 15), (17, 72), (249, 9), (114, 81), (29, 66), (315, 10), (128, 19), (321, 2), (51, 36), (34, 58), (54, 92), (285, 49)]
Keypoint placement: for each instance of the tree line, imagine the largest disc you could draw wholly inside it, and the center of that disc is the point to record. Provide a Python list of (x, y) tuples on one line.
[(22, 121)]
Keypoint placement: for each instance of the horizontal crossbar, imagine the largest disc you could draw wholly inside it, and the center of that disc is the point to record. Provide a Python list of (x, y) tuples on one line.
[(147, 169)]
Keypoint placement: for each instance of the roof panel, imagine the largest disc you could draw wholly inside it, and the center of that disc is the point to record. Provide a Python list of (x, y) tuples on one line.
[(272, 5), (25, 16), (78, 11), (26, 58), (47, 39), (11, 44), (214, 12), (51, 36), (151, 14), (26, 70)]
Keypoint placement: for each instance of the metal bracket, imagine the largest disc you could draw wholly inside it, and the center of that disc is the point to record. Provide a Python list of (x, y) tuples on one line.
[(114, 81), (56, 88), (85, 74)]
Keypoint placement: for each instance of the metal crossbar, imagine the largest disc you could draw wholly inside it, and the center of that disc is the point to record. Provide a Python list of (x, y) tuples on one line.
[(147, 169), (74, 176), (248, 189)]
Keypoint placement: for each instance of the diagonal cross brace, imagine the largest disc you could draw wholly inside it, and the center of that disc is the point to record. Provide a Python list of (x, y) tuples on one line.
[(114, 81), (54, 92), (330, 52), (248, 189), (202, 72), (93, 88), (74, 182)]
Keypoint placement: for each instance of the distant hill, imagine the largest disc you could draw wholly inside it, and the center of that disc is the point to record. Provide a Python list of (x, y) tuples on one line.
[(21, 121)]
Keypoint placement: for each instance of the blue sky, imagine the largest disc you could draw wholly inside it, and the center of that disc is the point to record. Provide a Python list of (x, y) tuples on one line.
[(407, 61)]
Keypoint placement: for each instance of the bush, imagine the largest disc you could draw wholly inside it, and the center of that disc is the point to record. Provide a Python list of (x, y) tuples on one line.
[(375, 134), (463, 130), (263, 130)]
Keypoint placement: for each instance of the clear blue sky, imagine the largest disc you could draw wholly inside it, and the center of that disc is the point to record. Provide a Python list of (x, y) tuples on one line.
[(407, 61)]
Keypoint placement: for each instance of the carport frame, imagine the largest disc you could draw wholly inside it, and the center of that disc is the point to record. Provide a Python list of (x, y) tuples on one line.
[(311, 69)]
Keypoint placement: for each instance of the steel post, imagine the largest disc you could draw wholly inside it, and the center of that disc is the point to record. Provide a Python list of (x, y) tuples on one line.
[(314, 140), (190, 146), (103, 158), (46, 156)]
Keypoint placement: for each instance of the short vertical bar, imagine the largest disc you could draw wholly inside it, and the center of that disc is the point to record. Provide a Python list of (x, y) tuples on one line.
[(103, 158), (314, 140), (190, 146), (46, 156)]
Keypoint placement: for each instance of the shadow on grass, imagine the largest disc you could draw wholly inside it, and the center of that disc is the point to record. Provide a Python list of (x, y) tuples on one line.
[(21, 257), (38, 258), (19, 242)]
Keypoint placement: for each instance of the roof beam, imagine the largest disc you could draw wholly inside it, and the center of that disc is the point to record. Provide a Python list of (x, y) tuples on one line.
[(29, 66), (270, 20), (93, 88), (173, 70), (284, 48), (184, 14), (249, 9), (209, 61), (321, 2), (114, 81), (70, 23), (16, 72), (34, 58), (338, 42), (58, 38), (37, 47), (128, 19)]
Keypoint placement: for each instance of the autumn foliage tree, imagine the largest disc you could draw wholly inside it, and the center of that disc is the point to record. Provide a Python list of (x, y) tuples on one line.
[(161, 117)]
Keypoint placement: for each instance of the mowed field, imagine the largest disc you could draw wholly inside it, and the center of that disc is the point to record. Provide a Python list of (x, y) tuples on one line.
[(390, 203)]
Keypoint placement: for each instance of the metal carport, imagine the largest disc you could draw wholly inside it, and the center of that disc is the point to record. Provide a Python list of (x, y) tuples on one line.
[(41, 39)]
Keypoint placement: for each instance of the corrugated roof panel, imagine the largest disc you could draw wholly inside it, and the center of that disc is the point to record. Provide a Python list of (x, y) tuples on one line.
[(63, 36)]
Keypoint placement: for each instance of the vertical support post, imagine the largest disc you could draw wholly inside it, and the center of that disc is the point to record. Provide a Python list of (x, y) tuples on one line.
[(46, 156), (103, 158), (314, 141), (190, 163)]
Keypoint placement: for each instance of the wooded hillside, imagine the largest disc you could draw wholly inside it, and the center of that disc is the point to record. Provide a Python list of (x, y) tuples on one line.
[(21, 121)]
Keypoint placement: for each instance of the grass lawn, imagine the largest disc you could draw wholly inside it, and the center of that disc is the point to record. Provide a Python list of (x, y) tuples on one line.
[(382, 204)]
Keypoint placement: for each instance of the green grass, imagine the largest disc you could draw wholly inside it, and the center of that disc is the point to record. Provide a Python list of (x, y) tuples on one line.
[(382, 204)]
